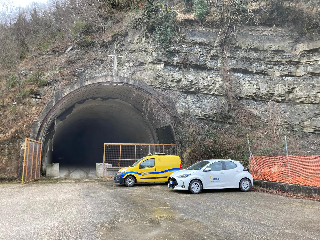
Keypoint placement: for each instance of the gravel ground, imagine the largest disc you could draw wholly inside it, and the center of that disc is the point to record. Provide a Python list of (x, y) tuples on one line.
[(104, 210)]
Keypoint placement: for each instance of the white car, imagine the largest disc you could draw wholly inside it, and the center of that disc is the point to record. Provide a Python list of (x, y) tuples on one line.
[(212, 174)]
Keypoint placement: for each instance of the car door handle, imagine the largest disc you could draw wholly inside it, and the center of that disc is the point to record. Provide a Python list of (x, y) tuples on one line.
[(221, 172)]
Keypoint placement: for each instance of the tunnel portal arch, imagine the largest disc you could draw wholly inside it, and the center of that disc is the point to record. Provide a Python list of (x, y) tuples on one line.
[(81, 117)]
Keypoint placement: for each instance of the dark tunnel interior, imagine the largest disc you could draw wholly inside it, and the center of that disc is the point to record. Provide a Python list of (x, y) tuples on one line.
[(81, 131)]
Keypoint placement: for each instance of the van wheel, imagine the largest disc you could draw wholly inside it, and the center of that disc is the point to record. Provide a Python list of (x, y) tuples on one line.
[(130, 181), (195, 186), (245, 184)]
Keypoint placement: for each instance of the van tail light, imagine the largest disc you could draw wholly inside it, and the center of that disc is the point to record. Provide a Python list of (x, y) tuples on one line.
[(180, 166)]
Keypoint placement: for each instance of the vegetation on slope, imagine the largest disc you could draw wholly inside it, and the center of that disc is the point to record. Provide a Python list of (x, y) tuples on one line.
[(36, 30)]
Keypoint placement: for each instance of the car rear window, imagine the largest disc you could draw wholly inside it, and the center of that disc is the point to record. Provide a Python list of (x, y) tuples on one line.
[(198, 165), (230, 165)]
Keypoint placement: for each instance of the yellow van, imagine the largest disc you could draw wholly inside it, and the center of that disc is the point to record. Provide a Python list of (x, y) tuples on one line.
[(154, 168)]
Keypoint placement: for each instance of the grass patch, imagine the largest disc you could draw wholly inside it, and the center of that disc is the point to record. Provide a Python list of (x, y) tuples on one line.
[(38, 79)]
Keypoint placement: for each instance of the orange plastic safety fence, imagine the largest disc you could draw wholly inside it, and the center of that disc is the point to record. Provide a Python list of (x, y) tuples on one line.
[(304, 170)]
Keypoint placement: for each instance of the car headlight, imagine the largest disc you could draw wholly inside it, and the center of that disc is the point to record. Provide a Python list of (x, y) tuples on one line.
[(184, 175), (123, 170)]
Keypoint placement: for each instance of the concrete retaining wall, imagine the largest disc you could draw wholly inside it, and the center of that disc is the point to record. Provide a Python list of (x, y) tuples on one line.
[(287, 187), (109, 171), (52, 170)]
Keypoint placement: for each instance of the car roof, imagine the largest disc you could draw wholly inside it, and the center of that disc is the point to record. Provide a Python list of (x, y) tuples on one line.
[(215, 160)]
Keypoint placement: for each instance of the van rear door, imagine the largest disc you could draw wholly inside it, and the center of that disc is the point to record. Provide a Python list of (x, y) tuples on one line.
[(166, 165)]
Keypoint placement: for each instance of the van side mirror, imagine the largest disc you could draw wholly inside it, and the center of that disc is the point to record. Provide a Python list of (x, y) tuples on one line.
[(207, 170)]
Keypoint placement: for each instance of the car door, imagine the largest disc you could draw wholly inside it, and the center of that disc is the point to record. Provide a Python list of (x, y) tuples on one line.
[(147, 170), (214, 178), (230, 170)]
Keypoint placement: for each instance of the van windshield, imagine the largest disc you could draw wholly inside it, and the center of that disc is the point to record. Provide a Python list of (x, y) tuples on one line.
[(135, 164), (198, 165)]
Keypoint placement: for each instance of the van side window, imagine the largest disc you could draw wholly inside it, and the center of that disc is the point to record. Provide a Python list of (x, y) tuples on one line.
[(149, 163), (230, 165), (216, 166)]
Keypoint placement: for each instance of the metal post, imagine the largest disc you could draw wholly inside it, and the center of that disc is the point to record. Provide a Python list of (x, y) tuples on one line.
[(40, 159), (36, 168), (135, 152), (119, 157), (115, 61), (285, 138), (32, 160), (104, 159), (249, 148), (27, 160), (251, 155), (24, 159)]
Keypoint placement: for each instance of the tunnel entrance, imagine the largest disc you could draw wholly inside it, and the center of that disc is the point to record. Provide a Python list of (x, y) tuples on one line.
[(76, 128), (82, 131)]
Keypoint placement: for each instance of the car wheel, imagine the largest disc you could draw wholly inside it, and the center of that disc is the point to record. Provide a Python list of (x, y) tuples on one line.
[(245, 185), (195, 186), (130, 181)]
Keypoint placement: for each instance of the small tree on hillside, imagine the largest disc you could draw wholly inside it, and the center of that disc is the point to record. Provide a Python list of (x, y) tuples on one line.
[(201, 9)]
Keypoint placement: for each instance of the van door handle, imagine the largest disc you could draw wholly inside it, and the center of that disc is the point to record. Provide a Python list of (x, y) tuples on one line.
[(155, 169)]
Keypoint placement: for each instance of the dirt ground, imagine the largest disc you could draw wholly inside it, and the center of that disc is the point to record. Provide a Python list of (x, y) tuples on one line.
[(104, 210)]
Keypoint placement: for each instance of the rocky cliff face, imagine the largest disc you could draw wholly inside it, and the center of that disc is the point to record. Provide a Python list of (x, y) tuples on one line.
[(263, 64)]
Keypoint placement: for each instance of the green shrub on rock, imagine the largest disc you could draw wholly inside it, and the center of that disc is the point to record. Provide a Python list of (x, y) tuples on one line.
[(201, 9)]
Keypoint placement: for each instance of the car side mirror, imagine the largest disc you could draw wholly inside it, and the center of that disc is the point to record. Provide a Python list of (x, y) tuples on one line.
[(141, 166), (207, 170)]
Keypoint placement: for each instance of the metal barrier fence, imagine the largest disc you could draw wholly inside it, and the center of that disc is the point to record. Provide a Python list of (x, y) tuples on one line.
[(304, 170), (118, 155), (32, 160)]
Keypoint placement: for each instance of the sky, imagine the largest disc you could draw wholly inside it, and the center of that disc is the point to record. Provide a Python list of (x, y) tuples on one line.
[(10, 8), (8, 5), (24, 3)]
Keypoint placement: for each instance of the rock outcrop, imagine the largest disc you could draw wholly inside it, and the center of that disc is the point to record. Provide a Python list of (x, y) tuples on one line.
[(264, 64)]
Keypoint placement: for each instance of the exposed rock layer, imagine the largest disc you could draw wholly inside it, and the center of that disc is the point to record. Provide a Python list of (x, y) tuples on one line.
[(264, 64)]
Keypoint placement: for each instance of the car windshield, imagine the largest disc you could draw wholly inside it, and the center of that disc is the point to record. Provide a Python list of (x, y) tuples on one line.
[(135, 164), (198, 165)]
